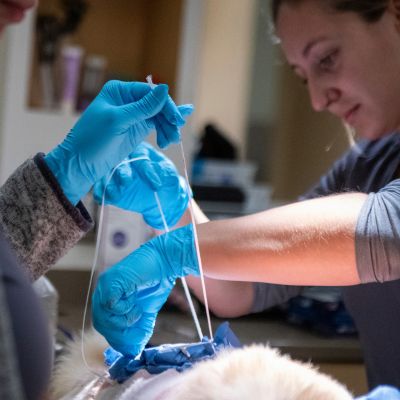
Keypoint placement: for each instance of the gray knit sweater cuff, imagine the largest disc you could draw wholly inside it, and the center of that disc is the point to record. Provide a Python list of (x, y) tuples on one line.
[(37, 219)]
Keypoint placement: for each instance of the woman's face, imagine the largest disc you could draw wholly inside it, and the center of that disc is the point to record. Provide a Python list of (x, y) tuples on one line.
[(351, 68), (12, 11)]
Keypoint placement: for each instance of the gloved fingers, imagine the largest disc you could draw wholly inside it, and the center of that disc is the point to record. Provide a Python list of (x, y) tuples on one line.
[(127, 347), (145, 168), (183, 196), (170, 110), (171, 113), (125, 320), (186, 110), (154, 220), (123, 175), (111, 194), (121, 181), (166, 169), (172, 216), (123, 315), (147, 107), (98, 190), (146, 149), (185, 187), (116, 322), (168, 129), (171, 182), (173, 197), (148, 173), (123, 305), (121, 93), (110, 292), (156, 171), (131, 341), (166, 132), (141, 150)]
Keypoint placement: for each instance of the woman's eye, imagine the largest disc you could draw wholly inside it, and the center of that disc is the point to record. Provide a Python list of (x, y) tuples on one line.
[(328, 62)]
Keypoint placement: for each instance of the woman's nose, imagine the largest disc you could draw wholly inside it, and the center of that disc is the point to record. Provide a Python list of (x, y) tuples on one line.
[(321, 96)]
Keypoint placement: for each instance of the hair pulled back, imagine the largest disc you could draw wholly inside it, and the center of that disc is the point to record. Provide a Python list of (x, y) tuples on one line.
[(369, 10)]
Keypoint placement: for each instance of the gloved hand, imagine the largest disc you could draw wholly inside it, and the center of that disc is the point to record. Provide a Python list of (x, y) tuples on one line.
[(117, 120), (383, 392), (133, 185), (129, 295)]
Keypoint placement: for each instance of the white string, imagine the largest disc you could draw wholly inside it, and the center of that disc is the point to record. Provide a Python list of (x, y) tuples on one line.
[(185, 287), (196, 241), (184, 284), (95, 259), (149, 80)]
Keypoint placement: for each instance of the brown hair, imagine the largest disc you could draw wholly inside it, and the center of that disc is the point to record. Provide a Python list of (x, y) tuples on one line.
[(369, 10)]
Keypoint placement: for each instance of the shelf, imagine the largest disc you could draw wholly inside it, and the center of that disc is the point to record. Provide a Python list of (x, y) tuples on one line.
[(135, 37)]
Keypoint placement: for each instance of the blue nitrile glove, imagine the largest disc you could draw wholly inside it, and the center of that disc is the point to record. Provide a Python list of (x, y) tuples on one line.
[(382, 393), (117, 120), (133, 185), (129, 295)]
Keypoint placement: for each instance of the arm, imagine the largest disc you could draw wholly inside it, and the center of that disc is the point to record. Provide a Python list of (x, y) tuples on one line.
[(37, 203), (132, 187), (306, 243), (230, 299), (222, 295), (260, 296), (226, 299), (37, 219), (341, 239), (335, 240)]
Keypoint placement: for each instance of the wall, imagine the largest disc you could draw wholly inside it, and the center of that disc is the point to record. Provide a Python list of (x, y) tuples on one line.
[(223, 81), (264, 71), (302, 138), (262, 105)]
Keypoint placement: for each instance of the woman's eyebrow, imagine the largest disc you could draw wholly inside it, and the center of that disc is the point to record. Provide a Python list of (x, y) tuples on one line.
[(311, 44)]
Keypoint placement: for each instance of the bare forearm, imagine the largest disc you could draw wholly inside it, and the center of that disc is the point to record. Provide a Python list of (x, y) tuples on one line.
[(226, 299), (306, 243)]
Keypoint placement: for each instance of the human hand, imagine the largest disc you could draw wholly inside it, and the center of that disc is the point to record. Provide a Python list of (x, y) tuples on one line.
[(133, 185), (129, 295), (118, 119)]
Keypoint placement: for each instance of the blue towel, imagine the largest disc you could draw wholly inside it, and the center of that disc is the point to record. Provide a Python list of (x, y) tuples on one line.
[(178, 356)]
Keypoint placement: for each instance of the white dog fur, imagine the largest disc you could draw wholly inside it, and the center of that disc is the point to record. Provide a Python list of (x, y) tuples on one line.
[(254, 372)]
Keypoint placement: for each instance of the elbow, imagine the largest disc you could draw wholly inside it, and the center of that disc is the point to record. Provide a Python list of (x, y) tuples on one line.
[(228, 311)]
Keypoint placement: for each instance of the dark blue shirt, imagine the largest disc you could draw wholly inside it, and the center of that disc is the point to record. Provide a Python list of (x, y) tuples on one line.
[(375, 307)]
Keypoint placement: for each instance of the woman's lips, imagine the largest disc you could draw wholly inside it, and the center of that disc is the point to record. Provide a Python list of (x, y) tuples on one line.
[(350, 115)]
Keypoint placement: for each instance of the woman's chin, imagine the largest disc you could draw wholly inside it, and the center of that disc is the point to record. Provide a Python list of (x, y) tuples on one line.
[(374, 134)]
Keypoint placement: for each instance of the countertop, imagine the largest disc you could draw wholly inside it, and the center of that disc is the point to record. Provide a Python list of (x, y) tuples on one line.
[(174, 327), (303, 344)]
